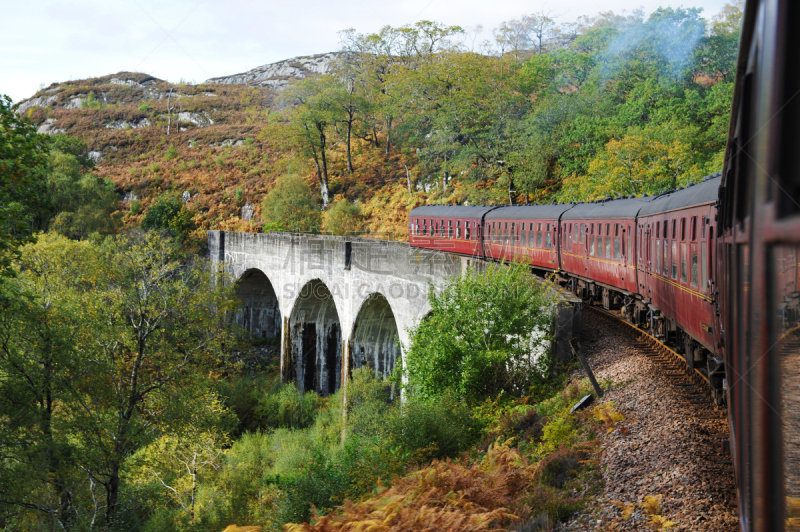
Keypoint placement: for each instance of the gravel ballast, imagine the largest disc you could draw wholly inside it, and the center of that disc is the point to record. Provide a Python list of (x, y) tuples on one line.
[(668, 446)]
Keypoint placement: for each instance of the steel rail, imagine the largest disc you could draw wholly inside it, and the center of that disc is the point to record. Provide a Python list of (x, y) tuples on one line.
[(655, 342)]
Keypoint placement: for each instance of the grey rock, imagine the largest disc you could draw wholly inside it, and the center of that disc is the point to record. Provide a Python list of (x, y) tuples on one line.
[(278, 75), (47, 127), (201, 119), (247, 211), (96, 156), (128, 82), (39, 101), (124, 124), (186, 196), (130, 197), (75, 102)]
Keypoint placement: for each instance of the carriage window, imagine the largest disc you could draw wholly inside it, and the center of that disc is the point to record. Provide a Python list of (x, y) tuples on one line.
[(616, 248), (673, 228), (468, 233), (592, 228), (704, 226), (458, 229), (616, 229), (694, 228), (569, 243), (548, 243), (683, 228), (591, 246), (449, 228), (693, 266), (703, 268), (608, 246), (674, 259), (658, 256), (539, 237), (630, 245), (583, 233), (658, 229), (684, 266)]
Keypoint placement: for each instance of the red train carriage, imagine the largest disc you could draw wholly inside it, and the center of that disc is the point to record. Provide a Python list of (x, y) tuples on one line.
[(527, 233), (598, 250), (758, 237), (675, 271), (456, 229)]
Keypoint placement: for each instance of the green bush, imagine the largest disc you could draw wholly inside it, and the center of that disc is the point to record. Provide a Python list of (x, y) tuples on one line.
[(292, 203), (145, 107), (343, 218), (432, 428), (320, 482), (171, 153), (487, 334), (136, 207), (169, 213), (286, 407)]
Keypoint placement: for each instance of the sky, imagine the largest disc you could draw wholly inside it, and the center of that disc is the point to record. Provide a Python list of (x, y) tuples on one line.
[(46, 41)]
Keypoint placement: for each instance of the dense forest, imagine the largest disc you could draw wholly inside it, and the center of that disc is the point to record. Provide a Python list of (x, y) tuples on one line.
[(129, 400), (609, 105)]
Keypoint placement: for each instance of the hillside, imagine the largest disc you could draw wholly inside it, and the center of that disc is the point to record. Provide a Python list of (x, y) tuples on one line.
[(221, 162)]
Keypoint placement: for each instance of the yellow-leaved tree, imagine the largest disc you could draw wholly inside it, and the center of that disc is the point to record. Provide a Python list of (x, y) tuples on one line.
[(645, 161)]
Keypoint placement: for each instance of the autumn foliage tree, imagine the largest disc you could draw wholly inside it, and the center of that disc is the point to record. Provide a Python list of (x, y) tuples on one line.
[(99, 352)]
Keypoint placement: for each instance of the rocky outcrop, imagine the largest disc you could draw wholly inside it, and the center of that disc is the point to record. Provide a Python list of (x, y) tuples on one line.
[(124, 124), (278, 75), (48, 127), (202, 119)]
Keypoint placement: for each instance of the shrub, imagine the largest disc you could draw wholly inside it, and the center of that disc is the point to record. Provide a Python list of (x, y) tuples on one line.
[(486, 334), (428, 428), (171, 153), (169, 213), (136, 207), (286, 407), (292, 203), (343, 217), (145, 107), (559, 467)]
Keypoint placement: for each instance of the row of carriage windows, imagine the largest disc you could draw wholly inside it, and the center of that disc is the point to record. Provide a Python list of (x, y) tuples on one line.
[(678, 255), (672, 254), (438, 228), (610, 241)]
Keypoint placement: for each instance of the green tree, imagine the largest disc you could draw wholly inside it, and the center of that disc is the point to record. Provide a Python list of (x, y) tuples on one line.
[(81, 202), (23, 156), (291, 203), (40, 358), (486, 333), (646, 161), (343, 218), (109, 353), (169, 213), (306, 123)]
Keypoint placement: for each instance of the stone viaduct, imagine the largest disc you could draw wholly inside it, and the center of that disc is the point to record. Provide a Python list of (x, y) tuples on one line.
[(340, 303)]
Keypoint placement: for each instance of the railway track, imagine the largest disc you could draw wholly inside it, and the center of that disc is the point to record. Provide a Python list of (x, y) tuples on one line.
[(692, 383)]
